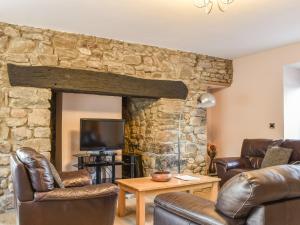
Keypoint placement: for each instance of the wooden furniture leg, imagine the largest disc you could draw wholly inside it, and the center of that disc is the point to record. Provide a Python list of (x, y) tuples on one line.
[(121, 203), (140, 208), (214, 191)]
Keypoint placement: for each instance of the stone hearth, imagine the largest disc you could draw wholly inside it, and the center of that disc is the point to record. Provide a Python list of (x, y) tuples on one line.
[(25, 113)]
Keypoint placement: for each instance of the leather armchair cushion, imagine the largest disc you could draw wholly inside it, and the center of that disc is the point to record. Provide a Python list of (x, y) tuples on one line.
[(76, 178), (193, 208), (75, 193), (38, 168), (250, 189)]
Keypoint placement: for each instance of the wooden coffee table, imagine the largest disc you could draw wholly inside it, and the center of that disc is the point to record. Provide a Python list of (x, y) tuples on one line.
[(142, 187)]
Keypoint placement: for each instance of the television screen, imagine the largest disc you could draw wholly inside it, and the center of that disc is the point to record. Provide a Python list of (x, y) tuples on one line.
[(101, 134)]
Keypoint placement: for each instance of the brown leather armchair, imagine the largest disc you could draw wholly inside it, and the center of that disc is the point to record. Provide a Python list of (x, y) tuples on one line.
[(252, 154), (269, 196), (39, 202)]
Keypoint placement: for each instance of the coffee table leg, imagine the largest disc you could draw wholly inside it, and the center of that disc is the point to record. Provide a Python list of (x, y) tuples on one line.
[(140, 208), (214, 191), (121, 203)]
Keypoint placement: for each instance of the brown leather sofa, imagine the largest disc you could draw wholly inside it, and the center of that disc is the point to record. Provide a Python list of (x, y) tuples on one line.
[(269, 196), (39, 202), (252, 155)]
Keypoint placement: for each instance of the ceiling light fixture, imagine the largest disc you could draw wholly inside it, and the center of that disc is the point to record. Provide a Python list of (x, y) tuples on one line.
[(209, 4)]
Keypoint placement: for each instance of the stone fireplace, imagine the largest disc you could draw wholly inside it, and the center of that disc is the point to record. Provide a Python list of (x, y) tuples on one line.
[(152, 124)]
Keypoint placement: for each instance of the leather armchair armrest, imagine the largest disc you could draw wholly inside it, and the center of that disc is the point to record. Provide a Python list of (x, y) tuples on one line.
[(231, 162), (76, 178), (192, 208), (76, 193)]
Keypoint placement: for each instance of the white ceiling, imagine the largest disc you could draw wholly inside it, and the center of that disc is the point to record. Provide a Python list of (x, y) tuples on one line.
[(246, 27)]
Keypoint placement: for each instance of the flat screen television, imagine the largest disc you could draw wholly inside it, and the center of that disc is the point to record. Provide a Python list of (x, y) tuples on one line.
[(101, 134)]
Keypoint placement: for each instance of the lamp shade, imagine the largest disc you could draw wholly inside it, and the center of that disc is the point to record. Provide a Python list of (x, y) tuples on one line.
[(206, 100)]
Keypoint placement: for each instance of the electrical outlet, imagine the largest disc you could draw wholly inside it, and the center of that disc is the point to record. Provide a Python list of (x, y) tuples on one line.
[(272, 125)]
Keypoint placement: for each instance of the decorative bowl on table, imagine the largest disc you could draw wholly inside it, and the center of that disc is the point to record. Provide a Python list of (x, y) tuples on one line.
[(161, 176)]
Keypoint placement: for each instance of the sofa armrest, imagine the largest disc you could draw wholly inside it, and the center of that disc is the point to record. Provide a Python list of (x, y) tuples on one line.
[(230, 162), (191, 208), (76, 178), (76, 193)]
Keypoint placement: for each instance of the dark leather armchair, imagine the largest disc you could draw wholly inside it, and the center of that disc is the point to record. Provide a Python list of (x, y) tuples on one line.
[(39, 202), (269, 196), (252, 155)]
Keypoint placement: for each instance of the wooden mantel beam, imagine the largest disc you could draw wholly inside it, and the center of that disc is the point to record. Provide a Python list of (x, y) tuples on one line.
[(92, 82)]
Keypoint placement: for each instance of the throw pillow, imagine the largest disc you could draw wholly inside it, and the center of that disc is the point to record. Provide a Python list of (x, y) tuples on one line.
[(276, 156), (56, 176)]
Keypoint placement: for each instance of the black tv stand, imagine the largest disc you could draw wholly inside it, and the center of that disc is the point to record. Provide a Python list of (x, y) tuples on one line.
[(98, 160)]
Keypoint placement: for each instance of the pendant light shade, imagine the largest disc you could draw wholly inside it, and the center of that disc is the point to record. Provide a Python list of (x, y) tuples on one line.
[(206, 100)]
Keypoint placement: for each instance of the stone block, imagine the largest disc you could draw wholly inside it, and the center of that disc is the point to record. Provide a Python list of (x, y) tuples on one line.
[(195, 121), (4, 160), (21, 133), (4, 112), (132, 59), (29, 103), (44, 93), (3, 43), (66, 54), (166, 136), (21, 45), (85, 51), (12, 32), (15, 122), (45, 49), (48, 60), (191, 147), (4, 132), (4, 184), (64, 41), (18, 113), (22, 92), (17, 58), (39, 117), (42, 132), (39, 144), (4, 172), (34, 36), (5, 147)]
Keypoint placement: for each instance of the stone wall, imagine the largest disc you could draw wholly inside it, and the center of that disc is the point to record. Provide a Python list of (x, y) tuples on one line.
[(25, 112), (154, 127)]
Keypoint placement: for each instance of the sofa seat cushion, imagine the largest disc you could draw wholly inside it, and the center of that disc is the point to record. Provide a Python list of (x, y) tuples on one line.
[(193, 208), (38, 169), (247, 190)]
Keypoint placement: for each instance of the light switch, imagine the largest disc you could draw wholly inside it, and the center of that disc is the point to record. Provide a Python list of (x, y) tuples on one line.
[(272, 125)]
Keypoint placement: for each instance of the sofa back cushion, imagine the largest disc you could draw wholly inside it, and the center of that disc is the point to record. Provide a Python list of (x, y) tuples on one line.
[(249, 189), (255, 149), (38, 169), (295, 145)]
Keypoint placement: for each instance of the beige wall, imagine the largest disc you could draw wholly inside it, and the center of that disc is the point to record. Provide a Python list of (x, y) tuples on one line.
[(76, 106), (255, 99)]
